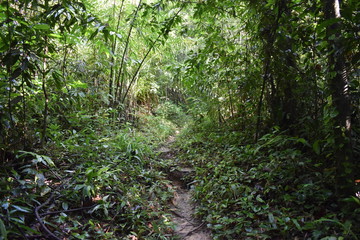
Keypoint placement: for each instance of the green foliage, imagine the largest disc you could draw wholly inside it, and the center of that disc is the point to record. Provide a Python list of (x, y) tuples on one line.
[(272, 189), (106, 172), (77, 76), (156, 129), (172, 112)]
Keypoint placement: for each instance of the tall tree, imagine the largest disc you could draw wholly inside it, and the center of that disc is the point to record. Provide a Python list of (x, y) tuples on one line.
[(338, 82)]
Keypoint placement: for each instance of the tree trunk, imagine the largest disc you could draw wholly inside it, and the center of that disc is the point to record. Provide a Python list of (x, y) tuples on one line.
[(339, 88), (46, 97)]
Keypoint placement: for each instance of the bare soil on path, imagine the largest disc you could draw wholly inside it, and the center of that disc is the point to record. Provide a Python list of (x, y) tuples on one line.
[(182, 208)]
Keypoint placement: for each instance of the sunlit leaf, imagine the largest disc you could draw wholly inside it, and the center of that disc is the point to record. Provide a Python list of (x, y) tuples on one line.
[(22, 209), (42, 26)]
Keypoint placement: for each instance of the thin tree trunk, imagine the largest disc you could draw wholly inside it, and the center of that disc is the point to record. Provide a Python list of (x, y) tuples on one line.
[(64, 64), (44, 88), (8, 69), (231, 100), (46, 99), (138, 70), (9, 99), (269, 37), (258, 113), (147, 53), (23, 101), (120, 79), (315, 76), (113, 49), (23, 111)]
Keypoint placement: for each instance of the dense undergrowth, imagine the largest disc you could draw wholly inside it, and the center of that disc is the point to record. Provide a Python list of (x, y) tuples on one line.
[(101, 180), (278, 188), (77, 149), (98, 180)]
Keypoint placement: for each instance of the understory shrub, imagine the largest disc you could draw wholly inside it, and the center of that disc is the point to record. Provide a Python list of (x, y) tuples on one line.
[(172, 112), (274, 189), (93, 182)]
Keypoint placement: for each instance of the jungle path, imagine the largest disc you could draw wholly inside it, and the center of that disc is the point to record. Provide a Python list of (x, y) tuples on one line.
[(182, 208)]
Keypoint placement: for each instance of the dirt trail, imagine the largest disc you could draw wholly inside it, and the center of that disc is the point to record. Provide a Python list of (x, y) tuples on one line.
[(182, 208), (187, 227)]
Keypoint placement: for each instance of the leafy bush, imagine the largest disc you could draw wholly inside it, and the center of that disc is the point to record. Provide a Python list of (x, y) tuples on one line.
[(156, 128), (172, 112), (268, 190), (95, 182)]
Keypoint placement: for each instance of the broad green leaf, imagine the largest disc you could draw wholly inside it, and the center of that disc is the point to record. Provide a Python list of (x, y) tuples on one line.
[(259, 199), (296, 224), (41, 26), (48, 160), (55, 35), (303, 141), (78, 187), (327, 23), (93, 35), (78, 84), (316, 147), (65, 206)]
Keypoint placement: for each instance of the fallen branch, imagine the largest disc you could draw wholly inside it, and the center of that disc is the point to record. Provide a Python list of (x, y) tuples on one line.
[(66, 211), (37, 215), (29, 237), (182, 217), (195, 229)]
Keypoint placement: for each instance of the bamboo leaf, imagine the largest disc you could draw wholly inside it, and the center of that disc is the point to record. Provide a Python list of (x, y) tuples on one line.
[(41, 26)]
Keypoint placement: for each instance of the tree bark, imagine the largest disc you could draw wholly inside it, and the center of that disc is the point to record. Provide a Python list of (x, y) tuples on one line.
[(339, 88)]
